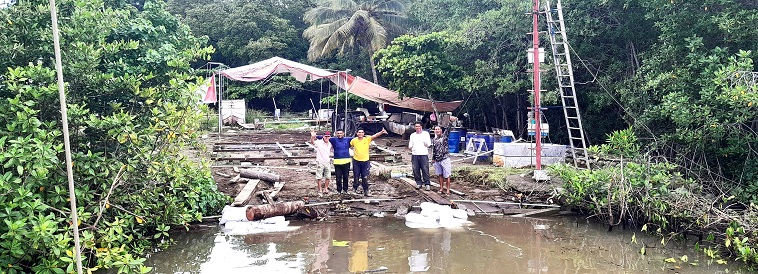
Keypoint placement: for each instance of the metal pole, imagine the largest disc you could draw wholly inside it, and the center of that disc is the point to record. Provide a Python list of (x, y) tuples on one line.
[(220, 97), (344, 125), (66, 142), (536, 68), (335, 114)]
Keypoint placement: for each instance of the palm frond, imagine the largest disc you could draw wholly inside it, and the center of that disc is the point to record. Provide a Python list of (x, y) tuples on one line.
[(376, 34), (390, 5)]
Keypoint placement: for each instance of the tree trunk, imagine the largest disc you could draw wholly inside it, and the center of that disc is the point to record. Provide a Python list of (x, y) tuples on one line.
[(434, 107), (253, 174), (373, 67), (257, 212)]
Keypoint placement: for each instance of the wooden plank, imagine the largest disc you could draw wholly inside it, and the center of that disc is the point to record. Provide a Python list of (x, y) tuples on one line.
[(393, 153), (513, 211), (277, 187), (477, 207), (246, 192), (432, 195), (506, 203), (285, 151), (310, 145), (537, 212)]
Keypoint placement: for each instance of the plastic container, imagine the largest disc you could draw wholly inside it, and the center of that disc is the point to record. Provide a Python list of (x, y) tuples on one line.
[(507, 136), (454, 140)]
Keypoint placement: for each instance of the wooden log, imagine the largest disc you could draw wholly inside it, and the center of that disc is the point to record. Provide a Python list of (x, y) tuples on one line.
[(245, 194), (254, 174), (258, 212)]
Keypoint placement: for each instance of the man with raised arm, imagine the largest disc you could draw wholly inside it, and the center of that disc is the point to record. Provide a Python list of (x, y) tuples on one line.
[(441, 160), (361, 162), (323, 163)]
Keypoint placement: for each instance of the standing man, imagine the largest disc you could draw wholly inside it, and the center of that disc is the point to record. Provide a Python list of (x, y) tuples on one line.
[(342, 159), (361, 163), (419, 144), (323, 164), (441, 159)]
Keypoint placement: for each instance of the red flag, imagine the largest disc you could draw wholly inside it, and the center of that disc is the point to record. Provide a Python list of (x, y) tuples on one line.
[(210, 90)]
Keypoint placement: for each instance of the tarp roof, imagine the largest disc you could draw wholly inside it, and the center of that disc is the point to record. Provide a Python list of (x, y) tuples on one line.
[(370, 91), (353, 84)]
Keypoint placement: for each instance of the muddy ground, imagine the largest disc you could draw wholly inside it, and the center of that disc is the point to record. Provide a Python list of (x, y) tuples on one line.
[(235, 150)]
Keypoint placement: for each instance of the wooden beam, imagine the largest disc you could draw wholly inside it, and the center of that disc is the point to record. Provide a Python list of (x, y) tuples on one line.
[(285, 151), (246, 192)]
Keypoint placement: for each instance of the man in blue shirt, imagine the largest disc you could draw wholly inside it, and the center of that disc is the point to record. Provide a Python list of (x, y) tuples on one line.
[(342, 159)]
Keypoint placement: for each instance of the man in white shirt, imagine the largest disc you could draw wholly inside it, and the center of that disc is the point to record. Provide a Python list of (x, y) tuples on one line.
[(323, 163), (419, 144)]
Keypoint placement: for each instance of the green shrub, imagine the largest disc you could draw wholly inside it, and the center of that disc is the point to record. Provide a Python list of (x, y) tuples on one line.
[(131, 111)]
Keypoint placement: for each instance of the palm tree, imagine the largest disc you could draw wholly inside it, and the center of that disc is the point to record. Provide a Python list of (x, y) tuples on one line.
[(344, 24)]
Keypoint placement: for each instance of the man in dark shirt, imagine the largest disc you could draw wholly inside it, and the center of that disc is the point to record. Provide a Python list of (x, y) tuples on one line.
[(441, 160)]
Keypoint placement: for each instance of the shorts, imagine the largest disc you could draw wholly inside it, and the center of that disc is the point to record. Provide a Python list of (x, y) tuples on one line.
[(323, 170), (443, 168)]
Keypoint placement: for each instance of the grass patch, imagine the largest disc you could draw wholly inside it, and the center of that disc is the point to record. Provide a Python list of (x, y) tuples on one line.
[(487, 176)]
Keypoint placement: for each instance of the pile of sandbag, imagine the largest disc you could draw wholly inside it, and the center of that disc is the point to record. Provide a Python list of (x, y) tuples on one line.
[(235, 221), (434, 216)]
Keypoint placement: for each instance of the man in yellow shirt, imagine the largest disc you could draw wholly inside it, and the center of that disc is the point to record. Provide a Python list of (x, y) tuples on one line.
[(361, 163)]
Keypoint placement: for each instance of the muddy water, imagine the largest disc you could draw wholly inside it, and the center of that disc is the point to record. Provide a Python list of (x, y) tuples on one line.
[(490, 245)]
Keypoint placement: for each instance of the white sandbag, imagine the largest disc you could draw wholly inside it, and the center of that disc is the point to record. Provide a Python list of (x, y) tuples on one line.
[(274, 220), (435, 216), (233, 214), (428, 206), (273, 224), (459, 214)]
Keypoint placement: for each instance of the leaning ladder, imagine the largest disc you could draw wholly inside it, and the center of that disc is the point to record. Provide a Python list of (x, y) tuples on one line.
[(565, 75)]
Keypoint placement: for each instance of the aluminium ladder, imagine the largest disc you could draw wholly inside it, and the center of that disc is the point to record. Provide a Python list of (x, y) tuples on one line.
[(565, 76)]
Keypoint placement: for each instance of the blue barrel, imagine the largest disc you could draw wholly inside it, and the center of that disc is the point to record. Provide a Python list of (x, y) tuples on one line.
[(506, 139), (453, 140)]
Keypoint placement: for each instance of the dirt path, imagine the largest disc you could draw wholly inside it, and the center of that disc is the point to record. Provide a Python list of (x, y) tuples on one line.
[(255, 149)]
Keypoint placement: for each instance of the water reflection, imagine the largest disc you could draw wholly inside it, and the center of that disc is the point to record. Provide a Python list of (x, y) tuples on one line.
[(492, 245)]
